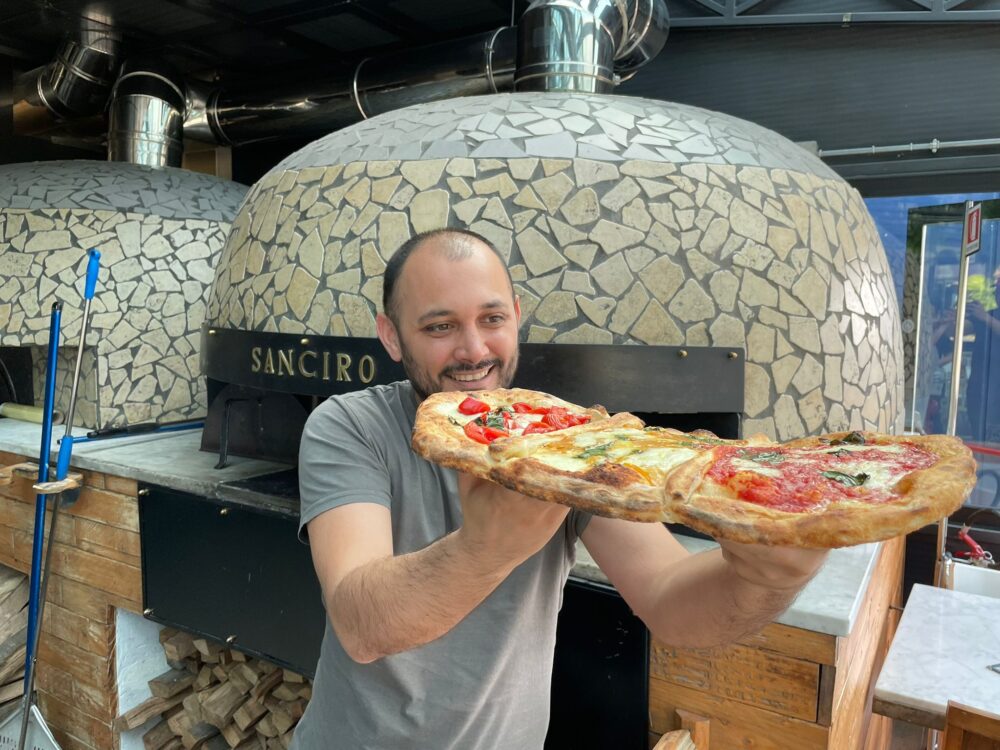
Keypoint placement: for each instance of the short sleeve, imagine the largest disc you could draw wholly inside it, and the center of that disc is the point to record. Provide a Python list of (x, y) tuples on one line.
[(339, 463)]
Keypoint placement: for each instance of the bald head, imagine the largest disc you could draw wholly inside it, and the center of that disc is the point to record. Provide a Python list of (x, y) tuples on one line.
[(453, 244)]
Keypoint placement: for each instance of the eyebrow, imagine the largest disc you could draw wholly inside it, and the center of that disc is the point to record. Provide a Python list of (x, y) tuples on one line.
[(442, 313)]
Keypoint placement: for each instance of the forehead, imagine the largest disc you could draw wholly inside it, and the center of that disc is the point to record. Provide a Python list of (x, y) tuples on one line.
[(450, 270)]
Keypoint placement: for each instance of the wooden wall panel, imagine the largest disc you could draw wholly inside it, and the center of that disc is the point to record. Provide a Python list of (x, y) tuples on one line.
[(95, 570)]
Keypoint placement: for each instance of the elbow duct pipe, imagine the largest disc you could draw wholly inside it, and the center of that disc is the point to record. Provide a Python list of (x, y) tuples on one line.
[(146, 118), (74, 85), (587, 45)]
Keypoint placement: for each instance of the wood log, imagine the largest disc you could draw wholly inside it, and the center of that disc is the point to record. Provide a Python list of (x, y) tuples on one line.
[(136, 717), (221, 703), (266, 726), (157, 737), (170, 683), (238, 655), (209, 650), (249, 713), (286, 691), (180, 722), (206, 678), (266, 685), (167, 633), (179, 646), (238, 678), (174, 744), (192, 705), (197, 735), (12, 690), (245, 672), (290, 676), (235, 735)]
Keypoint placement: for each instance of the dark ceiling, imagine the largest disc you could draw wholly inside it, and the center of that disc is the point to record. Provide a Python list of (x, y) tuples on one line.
[(239, 37)]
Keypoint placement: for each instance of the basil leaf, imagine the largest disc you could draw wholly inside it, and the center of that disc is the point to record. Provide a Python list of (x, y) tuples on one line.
[(840, 452), (495, 421), (851, 438), (848, 480), (596, 450), (771, 457)]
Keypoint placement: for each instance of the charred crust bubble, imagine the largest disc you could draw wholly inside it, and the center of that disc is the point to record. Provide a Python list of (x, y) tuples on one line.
[(611, 474)]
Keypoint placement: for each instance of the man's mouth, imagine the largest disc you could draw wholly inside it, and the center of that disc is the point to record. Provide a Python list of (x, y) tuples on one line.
[(471, 376)]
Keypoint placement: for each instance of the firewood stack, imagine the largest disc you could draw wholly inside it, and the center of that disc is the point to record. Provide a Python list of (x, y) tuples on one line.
[(216, 698), (13, 635)]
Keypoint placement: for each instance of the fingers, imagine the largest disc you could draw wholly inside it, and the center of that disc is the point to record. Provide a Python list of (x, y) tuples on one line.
[(774, 567)]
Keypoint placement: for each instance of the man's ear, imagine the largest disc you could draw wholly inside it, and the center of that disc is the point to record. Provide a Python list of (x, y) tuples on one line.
[(389, 336), (517, 310)]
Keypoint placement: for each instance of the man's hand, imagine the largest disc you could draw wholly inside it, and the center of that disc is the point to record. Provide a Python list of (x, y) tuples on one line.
[(782, 569), (503, 528)]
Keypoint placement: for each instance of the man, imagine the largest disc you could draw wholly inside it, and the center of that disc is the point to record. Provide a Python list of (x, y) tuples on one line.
[(983, 390), (441, 590)]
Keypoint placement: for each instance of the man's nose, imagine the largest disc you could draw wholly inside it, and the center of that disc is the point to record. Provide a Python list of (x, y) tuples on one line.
[(472, 347)]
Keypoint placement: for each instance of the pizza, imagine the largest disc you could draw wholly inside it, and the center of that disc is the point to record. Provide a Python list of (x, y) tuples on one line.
[(827, 491)]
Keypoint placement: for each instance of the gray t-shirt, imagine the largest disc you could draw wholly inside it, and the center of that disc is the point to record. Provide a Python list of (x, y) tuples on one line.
[(485, 684)]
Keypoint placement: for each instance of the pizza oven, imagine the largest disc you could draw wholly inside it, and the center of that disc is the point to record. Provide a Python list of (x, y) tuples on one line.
[(632, 228)]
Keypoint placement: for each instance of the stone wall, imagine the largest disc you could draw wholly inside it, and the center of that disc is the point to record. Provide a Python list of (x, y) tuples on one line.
[(624, 221), (160, 233)]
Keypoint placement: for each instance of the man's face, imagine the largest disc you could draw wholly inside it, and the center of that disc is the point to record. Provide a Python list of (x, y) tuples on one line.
[(457, 320)]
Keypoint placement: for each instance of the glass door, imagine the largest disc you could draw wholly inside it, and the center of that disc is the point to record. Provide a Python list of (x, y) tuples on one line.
[(930, 306)]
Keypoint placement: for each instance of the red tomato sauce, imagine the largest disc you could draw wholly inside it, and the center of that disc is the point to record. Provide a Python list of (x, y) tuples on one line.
[(801, 485)]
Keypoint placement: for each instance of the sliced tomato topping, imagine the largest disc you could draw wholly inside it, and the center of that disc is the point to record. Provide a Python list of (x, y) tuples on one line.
[(522, 408), (559, 418), (484, 435), (473, 406)]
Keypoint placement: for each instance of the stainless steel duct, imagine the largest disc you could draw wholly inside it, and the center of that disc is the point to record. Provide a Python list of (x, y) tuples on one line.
[(569, 45), (74, 85), (321, 103), (587, 45), (147, 115)]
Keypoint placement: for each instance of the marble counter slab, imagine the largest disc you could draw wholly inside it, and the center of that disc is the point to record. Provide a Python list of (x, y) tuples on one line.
[(829, 604), (171, 459), (943, 648)]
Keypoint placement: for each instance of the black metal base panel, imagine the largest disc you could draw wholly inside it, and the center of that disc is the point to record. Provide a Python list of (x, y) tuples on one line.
[(223, 571)]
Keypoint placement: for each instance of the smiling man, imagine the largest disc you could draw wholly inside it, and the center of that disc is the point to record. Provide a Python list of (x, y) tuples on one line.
[(442, 591)]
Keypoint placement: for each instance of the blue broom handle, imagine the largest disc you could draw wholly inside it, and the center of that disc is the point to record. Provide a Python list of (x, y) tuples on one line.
[(43, 476)]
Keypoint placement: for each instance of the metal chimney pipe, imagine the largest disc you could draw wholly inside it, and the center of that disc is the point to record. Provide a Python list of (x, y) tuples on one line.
[(147, 115), (587, 45), (479, 64), (76, 84)]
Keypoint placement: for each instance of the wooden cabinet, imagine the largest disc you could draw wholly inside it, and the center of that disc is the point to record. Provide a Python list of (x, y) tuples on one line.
[(786, 688)]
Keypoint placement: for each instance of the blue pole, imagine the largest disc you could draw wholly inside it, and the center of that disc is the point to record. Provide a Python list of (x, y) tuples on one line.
[(43, 476)]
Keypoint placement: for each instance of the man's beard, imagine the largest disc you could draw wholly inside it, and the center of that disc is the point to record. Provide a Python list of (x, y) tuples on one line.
[(424, 384)]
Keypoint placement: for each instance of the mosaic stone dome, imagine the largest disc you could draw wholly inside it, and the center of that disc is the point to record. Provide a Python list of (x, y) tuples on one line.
[(624, 220), (160, 233)]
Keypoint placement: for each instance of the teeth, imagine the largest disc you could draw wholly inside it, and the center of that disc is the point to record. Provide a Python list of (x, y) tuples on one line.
[(468, 377)]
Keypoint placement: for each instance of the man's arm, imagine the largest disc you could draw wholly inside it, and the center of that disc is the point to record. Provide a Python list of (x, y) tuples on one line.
[(700, 600), (379, 604)]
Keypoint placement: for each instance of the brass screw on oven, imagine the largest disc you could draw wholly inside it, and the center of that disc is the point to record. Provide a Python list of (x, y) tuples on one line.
[(231, 640), (147, 612), (304, 342), (143, 492), (682, 353), (224, 512), (733, 355)]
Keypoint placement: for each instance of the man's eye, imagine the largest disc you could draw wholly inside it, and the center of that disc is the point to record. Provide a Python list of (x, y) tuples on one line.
[(496, 319), (438, 328)]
